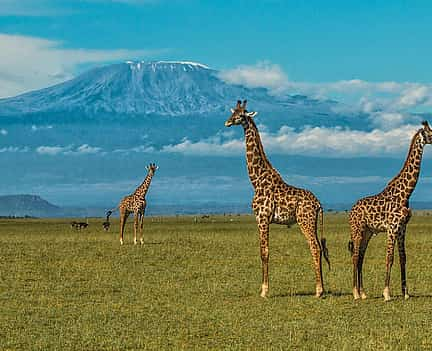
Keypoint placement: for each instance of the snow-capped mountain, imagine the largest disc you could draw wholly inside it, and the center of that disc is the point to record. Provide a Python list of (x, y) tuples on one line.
[(158, 87)]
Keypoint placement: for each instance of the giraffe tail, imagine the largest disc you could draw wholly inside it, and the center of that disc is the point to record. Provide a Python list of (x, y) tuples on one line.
[(323, 240), (351, 247)]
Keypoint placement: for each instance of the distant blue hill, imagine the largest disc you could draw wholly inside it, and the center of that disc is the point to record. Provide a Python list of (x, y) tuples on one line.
[(35, 206)]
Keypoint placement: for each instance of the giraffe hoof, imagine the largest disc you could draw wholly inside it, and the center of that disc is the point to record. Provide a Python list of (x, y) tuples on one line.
[(386, 294), (319, 294), (363, 295), (121, 242), (264, 291), (406, 297), (142, 242), (356, 295)]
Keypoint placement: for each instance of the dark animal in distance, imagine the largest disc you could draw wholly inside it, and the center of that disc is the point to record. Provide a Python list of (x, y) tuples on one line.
[(106, 224), (79, 225)]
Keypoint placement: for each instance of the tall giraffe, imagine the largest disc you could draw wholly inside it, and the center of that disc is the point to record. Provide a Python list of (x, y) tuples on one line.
[(136, 204), (388, 212), (277, 202)]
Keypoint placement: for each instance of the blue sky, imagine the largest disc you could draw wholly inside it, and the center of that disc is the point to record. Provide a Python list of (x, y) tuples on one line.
[(371, 56), (313, 41), (311, 47)]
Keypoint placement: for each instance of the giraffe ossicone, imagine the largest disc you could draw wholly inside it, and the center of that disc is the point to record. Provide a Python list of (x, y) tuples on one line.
[(277, 202)]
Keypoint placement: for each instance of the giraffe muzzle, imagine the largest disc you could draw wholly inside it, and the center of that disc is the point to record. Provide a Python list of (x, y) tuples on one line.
[(228, 124)]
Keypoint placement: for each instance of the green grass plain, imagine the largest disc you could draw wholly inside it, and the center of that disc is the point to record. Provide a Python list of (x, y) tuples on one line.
[(195, 286)]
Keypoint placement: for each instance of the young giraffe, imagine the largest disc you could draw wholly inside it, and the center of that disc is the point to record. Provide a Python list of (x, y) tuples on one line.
[(276, 202), (387, 211), (136, 204)]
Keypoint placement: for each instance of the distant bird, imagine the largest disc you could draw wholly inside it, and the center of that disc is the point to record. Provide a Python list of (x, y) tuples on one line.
[(106, 224)]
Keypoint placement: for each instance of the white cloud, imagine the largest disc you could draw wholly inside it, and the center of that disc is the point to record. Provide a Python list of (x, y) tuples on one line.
[(84, 149), (36, 128), (316, 141), (263, 74), (87, 149), (28, 63), (355, 94), (212, 146), (139, 149), (3, 131), (51, 150), (415, 95), (389, 120), (14, 149)]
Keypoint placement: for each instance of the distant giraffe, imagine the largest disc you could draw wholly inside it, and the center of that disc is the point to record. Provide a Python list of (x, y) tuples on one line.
[(388, 212), (277, 202), (136, 204)]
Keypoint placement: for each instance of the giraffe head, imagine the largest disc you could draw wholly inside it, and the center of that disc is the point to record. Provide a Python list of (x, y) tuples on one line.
[(240, 115), (426, 133), (151, 168)]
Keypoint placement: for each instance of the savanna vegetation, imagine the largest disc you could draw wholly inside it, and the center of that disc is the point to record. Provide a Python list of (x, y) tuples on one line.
[(196, 286)]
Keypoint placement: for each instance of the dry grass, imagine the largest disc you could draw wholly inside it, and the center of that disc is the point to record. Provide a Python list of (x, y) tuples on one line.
[(195, 286)]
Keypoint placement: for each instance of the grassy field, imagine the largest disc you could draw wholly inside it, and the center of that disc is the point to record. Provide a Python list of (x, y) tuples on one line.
[(196, 286)]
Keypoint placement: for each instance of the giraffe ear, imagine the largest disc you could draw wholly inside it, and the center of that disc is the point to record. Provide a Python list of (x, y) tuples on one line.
[(232, 110), (252, 114)]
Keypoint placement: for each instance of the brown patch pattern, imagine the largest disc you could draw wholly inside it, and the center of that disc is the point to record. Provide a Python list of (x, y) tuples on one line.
[(136, 204), (277, 202), (388, 212)]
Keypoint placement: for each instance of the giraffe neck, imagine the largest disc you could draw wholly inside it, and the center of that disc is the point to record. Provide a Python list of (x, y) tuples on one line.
[(405, 182), (141, 191), (257, 163)]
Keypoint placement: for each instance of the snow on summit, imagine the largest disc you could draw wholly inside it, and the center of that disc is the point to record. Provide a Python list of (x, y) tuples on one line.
[(166, 64)]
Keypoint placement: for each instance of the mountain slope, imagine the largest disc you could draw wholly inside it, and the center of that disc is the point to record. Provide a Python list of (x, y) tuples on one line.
[(142, 88)]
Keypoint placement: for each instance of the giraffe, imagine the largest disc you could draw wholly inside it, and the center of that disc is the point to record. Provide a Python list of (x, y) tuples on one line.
[(388, 212), (277, 202), (136, 204)]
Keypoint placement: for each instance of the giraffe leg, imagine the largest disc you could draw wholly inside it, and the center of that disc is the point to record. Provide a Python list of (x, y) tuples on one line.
[(308, 225), (389, 263), (362, 250), (402, 261), (141, 228), (356, 236), (123, 217), (136, 220), (263, 227)]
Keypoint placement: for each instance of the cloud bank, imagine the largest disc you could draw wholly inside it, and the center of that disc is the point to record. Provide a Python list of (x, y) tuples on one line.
[(311, 141), (263, 74), (29, 63)]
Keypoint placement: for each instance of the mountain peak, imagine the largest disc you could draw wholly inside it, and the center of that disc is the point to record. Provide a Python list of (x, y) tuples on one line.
[(166, 64)]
